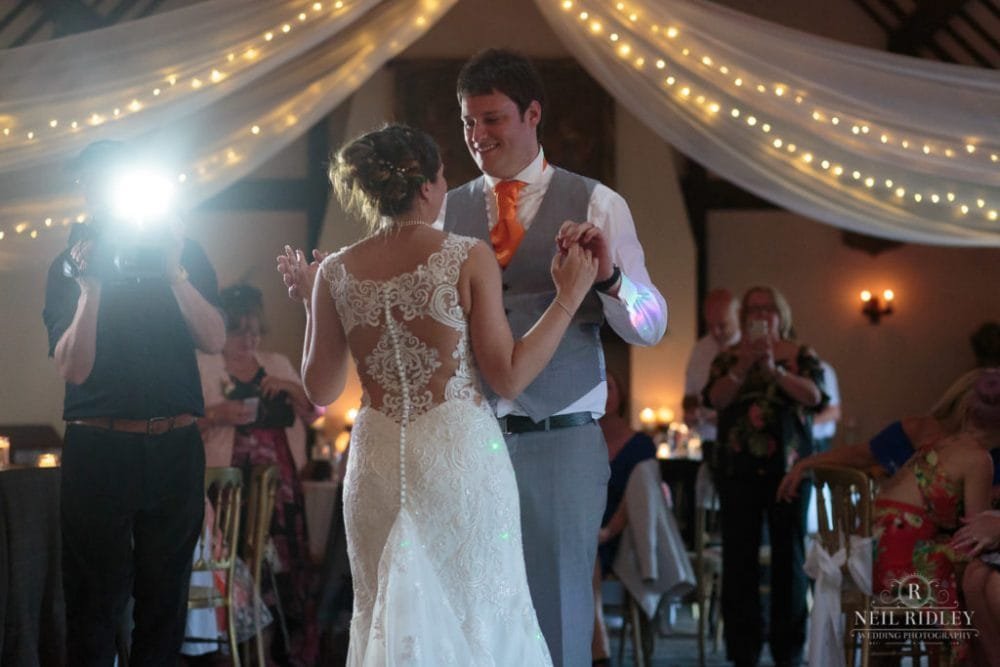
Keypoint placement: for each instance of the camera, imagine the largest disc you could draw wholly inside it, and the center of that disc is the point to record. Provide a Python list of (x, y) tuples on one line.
[(130, 233), (120, 252)]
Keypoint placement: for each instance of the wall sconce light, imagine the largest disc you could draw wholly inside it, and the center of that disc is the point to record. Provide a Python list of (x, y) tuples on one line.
[(874, 308)]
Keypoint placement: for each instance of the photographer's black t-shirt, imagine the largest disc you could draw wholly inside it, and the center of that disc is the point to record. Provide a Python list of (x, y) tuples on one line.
[(145, 363)]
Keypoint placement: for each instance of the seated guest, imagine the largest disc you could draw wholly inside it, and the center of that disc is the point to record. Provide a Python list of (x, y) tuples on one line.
[(921, 503), (626, 449), (918, 508), (980, 536), (892, 447), (255, 413)]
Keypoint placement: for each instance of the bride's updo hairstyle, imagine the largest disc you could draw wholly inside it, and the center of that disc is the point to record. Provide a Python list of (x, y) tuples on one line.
[(380, 173)]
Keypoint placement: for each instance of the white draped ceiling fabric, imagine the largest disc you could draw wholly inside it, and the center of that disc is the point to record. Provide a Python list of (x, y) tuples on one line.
[(876, 143), (213, 90), (867, 141)]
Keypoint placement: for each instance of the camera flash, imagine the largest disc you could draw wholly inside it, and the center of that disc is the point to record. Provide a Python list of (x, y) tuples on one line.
[(141, 195)]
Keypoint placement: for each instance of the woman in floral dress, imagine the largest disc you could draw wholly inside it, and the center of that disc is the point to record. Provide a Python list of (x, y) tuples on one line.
[(765, 389), (919, 508)]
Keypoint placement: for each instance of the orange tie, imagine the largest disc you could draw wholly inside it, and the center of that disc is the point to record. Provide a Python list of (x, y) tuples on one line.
[(506, 235)]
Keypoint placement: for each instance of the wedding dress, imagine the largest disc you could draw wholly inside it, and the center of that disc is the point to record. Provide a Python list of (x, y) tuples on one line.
[(430, 499)]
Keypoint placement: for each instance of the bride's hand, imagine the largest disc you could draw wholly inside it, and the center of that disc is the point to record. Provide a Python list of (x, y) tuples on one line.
[(297, 274), (573, 272)]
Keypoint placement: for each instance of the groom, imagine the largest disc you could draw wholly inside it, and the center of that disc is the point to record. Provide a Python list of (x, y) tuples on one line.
[(519, 205)]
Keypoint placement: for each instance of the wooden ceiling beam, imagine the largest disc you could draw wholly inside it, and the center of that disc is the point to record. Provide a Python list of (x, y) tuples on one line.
[(13, 13), (71, 16), (918, 28)]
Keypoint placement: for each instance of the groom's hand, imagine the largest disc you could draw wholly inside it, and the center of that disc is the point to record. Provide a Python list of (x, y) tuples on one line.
[(589, 237)]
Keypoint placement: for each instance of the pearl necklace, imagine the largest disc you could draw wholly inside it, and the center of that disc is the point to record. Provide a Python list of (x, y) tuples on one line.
[(407, 223)]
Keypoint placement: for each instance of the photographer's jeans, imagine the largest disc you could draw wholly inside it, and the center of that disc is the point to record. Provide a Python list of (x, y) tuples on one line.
[(132, 509)]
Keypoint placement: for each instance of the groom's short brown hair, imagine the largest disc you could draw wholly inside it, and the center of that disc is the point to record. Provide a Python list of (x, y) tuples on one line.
[(503, 71)]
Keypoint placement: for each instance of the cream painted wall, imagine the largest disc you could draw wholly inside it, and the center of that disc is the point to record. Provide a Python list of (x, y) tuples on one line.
[(31, 391), (887, 371), (648, 178)]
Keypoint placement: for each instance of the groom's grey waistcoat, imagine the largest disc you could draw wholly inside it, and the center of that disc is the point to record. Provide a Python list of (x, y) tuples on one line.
[(578, 364)]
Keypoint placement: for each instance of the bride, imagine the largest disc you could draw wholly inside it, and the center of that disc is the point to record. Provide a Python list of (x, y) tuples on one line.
[(430, 500)]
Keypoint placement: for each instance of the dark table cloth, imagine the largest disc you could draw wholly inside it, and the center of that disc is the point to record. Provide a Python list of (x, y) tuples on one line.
[(32, 609)]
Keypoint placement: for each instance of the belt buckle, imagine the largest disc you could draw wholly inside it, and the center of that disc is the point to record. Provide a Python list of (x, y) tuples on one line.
[(546, 424), (169, 421)]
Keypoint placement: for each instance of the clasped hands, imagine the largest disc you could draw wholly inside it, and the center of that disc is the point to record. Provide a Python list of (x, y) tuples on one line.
[(590, 238), (299, 275)]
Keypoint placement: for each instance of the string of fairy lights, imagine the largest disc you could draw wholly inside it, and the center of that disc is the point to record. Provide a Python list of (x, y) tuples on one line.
[(712, 91), (687, 74), (165, 88)]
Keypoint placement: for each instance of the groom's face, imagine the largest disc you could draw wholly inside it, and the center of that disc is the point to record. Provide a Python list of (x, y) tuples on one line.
[(500, 139)]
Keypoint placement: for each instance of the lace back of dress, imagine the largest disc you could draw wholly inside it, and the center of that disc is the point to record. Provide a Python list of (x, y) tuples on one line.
[(407, 333)]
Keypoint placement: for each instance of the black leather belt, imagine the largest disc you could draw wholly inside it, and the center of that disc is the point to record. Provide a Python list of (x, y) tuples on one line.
[(520, 424)]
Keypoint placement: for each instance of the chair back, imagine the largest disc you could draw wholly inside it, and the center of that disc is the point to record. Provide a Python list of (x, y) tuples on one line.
[(707, 518), (850, 493), (851, 498), (224, 488), (707, 557), (260, 508), (217, 551), (680, 475)]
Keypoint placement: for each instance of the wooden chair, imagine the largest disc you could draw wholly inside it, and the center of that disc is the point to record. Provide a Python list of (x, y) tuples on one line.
[(217, 551), (706, 555), (851, 496), (637, 628), (260, 507)]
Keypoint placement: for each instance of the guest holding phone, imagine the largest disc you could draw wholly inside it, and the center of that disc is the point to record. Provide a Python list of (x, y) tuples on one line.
[(765, 389)]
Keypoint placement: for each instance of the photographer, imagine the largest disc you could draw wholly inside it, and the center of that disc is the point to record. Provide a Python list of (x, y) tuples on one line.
[(125, 312)]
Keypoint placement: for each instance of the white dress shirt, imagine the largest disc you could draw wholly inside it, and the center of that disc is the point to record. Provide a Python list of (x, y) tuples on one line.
[(638, 313), (828, 429), (696, 377)]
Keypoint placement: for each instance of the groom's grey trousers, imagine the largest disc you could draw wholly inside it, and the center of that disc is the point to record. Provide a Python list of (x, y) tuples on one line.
[(562, 479), (562, 474)]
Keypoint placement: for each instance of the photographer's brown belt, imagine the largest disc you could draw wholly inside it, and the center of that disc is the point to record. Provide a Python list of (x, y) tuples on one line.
[(154, 426)]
